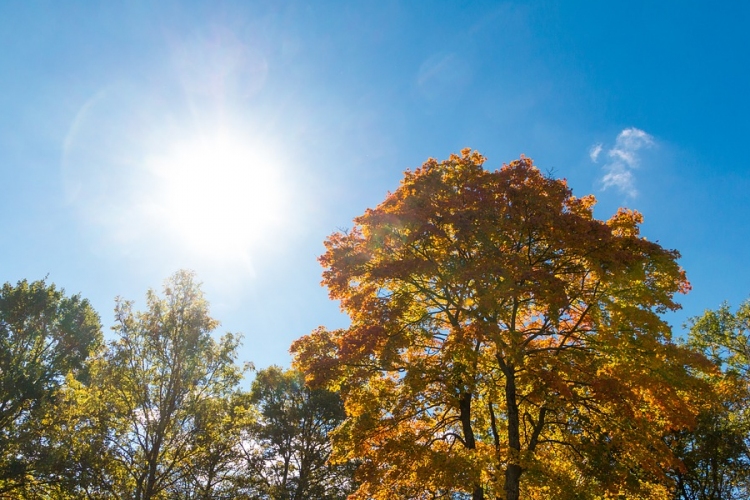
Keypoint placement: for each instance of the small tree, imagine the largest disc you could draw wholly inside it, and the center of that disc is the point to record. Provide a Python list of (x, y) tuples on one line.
[(287, 450), (503, 341)]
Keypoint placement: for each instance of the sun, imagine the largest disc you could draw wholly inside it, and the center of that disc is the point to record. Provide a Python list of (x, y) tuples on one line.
[(220, 195)]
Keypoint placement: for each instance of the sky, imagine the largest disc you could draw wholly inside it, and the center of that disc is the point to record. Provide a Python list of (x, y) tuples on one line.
[(231, 138)]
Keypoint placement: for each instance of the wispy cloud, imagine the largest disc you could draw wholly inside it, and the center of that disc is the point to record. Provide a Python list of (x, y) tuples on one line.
[(622, 159), (594, 152)]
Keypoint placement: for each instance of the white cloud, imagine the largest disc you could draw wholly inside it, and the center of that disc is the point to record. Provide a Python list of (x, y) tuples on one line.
[(594, 151), (624, 158)]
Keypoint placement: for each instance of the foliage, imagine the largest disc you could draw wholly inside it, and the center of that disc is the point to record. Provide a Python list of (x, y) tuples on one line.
[(45, 337), (157, 380), (716, 454), (499, 331), (216, 471), (725, 337), (287, 449)]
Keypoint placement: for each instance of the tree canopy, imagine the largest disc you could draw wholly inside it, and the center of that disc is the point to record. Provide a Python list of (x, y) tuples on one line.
[(716, 454), (45, 336), (504, 343), (157, 412), (155, 382), (288, 446)]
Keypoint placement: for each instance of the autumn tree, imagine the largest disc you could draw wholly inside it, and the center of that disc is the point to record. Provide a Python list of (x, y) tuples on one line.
[(157, 379), (287, 448), (503, 343), (45, 337), (716, 454)]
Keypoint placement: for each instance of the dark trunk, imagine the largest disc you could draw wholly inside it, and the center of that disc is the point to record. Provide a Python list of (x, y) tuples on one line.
[(150, 480), (464, 405), (478, 493), (514, 470)]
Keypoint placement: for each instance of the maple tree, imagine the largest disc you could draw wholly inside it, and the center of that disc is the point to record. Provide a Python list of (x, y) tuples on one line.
[(503, 342)]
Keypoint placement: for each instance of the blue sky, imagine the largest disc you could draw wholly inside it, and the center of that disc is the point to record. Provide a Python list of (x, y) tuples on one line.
[(138, 138)]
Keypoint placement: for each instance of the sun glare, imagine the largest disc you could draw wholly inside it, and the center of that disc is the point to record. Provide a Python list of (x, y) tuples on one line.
[(220, 195)]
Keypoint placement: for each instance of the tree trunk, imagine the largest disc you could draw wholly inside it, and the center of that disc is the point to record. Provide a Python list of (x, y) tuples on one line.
[(464, 405), (514, 470)]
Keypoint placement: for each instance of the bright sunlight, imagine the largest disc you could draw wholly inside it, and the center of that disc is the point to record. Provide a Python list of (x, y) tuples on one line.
[(220, 195)]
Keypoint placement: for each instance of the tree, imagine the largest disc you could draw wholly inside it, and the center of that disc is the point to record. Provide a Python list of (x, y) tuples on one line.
[(216, 472), (499, 332), (716, 454), (156, 379), (45, 337), (725, 337), (287, 449)]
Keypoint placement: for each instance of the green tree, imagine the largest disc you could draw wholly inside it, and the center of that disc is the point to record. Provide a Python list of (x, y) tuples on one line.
[(725, 337), (287, 450), (716, 454), (504, 343), (156, 382), (45, 336), (216, 472)]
